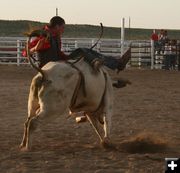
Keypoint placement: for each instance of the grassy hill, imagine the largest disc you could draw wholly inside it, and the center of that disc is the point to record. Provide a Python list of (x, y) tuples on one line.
[(18, 27)]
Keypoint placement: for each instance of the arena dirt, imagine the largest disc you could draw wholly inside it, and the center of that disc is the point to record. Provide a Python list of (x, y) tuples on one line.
[(145, 128)]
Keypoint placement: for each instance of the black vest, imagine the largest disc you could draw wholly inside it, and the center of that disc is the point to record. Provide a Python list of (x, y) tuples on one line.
[(50, 54)]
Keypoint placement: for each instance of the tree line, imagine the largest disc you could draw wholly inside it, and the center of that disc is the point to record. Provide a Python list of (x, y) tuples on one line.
[(17, 28)]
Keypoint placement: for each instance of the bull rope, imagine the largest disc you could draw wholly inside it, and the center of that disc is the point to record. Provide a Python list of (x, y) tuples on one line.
[(81, 82)]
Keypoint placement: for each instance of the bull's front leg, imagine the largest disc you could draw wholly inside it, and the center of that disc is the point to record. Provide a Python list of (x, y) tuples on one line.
[(38, 121), (106, 139), (30, 126), (33, 108), (107, 112), (24, 140)]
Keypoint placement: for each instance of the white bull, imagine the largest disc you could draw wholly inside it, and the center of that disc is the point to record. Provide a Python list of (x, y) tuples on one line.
[(62, 88)]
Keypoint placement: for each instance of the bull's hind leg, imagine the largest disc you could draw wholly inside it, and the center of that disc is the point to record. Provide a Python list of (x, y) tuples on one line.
[(39, 121), (31, 113), (29, 126), (32, 124), (23, 143)]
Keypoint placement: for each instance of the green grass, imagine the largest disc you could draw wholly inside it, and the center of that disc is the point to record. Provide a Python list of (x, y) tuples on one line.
[(19, 27)]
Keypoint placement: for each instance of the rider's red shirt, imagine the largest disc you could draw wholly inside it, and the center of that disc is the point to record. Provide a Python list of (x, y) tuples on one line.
[(46, 44)]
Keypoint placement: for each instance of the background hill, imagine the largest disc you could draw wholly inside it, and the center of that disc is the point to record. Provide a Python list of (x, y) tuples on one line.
[(18, 27)]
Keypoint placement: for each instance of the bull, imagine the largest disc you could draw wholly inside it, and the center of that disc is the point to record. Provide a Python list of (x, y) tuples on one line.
[(62, 86)]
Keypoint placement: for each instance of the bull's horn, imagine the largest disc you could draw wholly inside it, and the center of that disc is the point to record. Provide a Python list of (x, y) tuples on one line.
[(31, 61), (101, 34)]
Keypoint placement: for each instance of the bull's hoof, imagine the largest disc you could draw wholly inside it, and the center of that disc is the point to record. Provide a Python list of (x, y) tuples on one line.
[(121, 83), (107, 144), (24, 149), (21, 145), (81, 119)]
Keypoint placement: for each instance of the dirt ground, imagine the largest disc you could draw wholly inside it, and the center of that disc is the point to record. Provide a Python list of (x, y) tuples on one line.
[(145, 128)]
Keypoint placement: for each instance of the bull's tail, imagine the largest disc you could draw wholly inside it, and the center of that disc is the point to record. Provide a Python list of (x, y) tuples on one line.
[(101, 34)]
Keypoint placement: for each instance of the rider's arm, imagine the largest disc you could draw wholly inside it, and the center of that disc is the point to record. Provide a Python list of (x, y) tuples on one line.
[(39, 44)]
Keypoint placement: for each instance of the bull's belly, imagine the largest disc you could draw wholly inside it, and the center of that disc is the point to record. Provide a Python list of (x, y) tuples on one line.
[(95, 85), (91, 101)]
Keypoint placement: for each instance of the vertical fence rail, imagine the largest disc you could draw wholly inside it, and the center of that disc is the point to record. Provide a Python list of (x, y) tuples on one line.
[(122, 35), (18, 52), (139, 59), (152, 54), (178, 50), (75, 44)]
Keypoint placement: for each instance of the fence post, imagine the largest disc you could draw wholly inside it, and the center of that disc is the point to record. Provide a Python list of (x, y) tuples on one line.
[(99, 47), (92, 42), (18, 52), (122, 36), (179, 56), (152, 54), (139, 59), (75, 44)]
